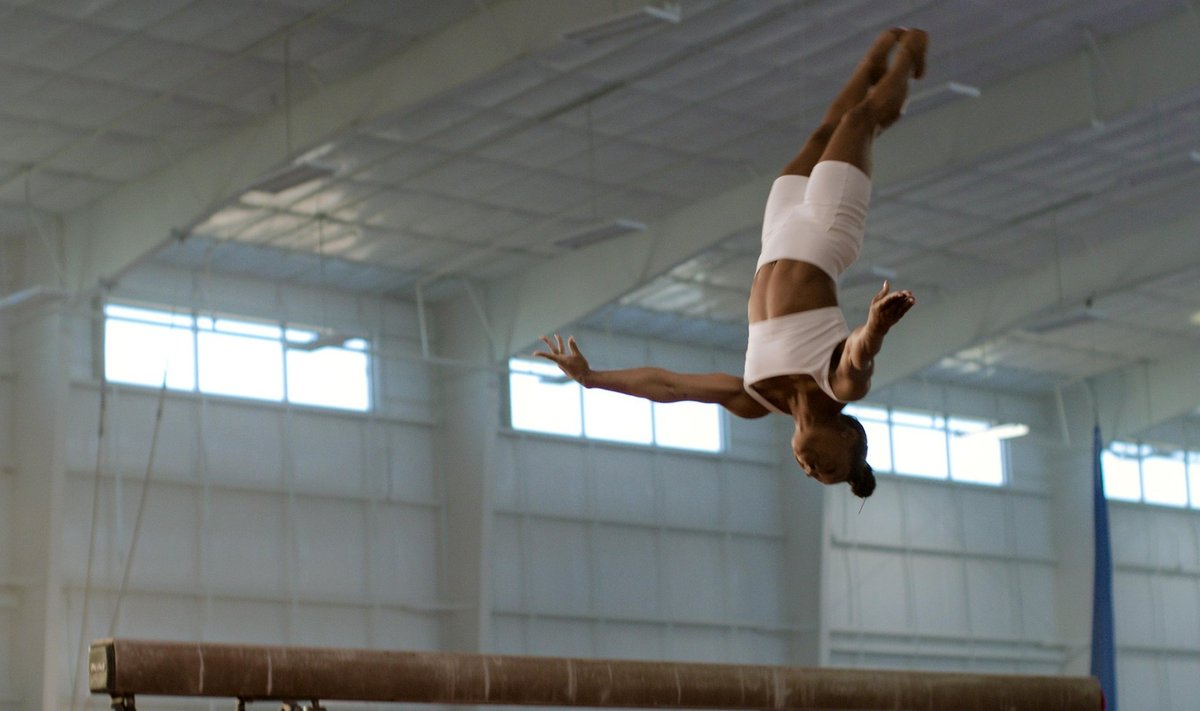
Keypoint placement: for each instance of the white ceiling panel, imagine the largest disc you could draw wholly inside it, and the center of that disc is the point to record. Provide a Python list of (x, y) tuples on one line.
[(541, 193), (245, 25), (624, 112), (70, 46), (384, 163), (201, 22), (28, 141), (416, 125), (150, 64), (113, 157), (468, 178), (505, 84), (77, 102), (698, 130), (243, 83), (56, 192), (694, 177), (553, 96), (616, 162), (122, 15), (413, 17), (639, 205), (543, 145), (482, 129), (23, 31)]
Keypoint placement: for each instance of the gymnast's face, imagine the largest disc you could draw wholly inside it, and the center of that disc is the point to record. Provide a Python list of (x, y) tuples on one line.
[(824, 451)]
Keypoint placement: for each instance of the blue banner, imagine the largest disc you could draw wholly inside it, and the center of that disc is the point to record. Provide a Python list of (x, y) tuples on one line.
[(1104, 648)]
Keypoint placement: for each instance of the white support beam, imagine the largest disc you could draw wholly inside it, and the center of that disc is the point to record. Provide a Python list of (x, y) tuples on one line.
[(933, 331), (112, 235), (1140, 69)]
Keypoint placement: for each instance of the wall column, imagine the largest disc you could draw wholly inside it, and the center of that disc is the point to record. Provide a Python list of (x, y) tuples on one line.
[(40, 389), (1069, 474), (805, 541), (469, 418)]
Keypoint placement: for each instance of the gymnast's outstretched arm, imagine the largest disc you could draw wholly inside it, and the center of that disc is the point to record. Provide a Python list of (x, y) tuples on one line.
[(852, 379), (654, 384)]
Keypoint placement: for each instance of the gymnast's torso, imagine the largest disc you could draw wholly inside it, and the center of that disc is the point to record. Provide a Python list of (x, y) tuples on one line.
[(797, 332), (812, 232)]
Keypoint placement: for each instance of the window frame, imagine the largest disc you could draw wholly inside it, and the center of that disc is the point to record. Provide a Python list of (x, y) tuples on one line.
[(943, 423), (1139, 451), (507, 407), (196, 322)]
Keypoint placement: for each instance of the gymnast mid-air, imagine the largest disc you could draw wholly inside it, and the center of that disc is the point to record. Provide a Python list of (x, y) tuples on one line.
[(802, 359)]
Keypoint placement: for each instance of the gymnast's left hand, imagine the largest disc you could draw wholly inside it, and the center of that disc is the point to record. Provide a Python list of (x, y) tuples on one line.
[(568, 358), (888, 307)]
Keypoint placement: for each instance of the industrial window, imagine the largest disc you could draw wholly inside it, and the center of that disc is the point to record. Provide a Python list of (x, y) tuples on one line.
[(933, 446), (235, 357), (1140, 472), (542, 399)]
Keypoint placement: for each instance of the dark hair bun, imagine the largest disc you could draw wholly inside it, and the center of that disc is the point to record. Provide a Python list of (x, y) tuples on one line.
[(863, 485)]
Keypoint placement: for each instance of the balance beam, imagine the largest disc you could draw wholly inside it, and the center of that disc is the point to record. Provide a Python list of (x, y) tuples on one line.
[(126, 668)]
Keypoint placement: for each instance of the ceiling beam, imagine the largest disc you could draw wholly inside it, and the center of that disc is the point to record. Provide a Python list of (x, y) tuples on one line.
[(931, 332), (1131, 400), (107, 238), (1134, 71)]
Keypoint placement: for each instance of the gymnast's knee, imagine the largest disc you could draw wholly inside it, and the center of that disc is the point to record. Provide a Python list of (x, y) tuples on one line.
[(866, 114)]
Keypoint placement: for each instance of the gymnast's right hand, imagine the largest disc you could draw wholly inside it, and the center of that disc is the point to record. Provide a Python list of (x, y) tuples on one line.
[(571, 362)]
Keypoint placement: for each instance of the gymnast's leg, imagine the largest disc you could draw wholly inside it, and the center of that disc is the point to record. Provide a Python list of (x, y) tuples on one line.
[(851, 140), (871, 68)]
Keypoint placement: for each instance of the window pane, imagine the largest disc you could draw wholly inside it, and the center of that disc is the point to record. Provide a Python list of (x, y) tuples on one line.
[(688, 425), (879, 446), (241, 366), (1121, 478), (138, 353), (1164, 480), (542, 399), (975, 457), (919, 451), (616, 416), (329, 377)]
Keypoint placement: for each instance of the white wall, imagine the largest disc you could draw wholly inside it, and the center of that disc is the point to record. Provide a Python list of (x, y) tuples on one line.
[(616, 550), (940, 575), (9, 589), (1156, 595), (264, 523)]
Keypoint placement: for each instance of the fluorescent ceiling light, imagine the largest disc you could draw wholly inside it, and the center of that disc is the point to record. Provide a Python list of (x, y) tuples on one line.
[(1007, 430), (640, 19), (1195, 319), (600, 233), (290, 177)]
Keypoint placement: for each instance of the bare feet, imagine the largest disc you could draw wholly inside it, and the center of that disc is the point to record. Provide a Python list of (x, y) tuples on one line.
[(915, 42), (876, 59)]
